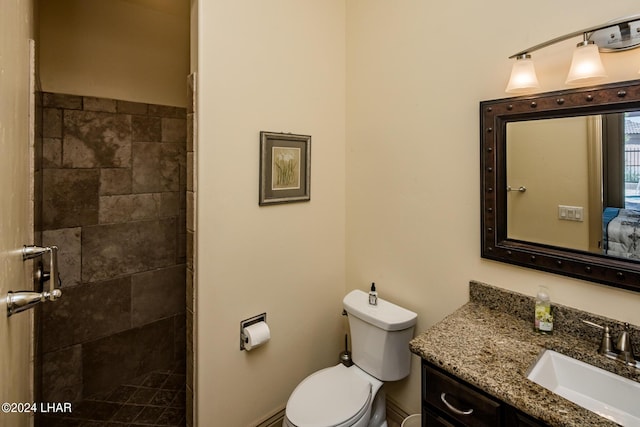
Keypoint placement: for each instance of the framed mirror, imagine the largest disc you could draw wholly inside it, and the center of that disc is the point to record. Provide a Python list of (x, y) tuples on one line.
[(560, 182)]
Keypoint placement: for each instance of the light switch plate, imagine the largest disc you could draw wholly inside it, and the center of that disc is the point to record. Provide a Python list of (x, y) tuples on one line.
[(571, 213)]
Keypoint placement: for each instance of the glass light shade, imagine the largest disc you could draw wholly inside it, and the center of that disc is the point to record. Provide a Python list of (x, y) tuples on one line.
[(586, 65), (523, 76)]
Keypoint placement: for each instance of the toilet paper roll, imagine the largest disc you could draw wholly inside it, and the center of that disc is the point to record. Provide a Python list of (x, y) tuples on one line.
[(256, 335)]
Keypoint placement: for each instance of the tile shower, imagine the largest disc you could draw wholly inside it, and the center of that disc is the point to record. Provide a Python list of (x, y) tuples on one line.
[(114, 201)]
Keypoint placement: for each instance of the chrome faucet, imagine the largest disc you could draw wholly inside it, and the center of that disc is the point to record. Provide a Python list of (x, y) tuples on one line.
[(623, 351)]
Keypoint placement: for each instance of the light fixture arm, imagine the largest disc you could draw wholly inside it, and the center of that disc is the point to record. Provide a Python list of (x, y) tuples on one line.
[(587, 32), (585, 41)]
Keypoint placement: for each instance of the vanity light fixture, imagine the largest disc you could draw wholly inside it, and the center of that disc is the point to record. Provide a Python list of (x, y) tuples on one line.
[(523, 76), (586, 66)]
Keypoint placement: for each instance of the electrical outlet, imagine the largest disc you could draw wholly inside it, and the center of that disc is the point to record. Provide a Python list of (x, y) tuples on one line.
[(571, 213)]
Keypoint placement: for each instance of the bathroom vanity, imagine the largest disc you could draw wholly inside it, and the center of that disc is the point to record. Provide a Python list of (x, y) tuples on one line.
[(478, 358), (448, 401)]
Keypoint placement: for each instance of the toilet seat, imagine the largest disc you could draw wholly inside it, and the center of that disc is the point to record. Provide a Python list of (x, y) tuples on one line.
[(331, 397)]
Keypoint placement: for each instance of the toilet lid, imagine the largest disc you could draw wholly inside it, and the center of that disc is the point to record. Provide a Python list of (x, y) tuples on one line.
[(328, 398)]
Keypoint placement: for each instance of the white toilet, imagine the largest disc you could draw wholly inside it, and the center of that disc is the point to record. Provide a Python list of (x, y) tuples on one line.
[(341, 396)]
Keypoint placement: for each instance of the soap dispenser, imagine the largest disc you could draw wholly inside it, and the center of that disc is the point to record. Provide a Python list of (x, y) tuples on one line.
[(543, 319)]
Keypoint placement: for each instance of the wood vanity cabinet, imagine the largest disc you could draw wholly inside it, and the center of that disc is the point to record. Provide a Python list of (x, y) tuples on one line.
[(447, 401)]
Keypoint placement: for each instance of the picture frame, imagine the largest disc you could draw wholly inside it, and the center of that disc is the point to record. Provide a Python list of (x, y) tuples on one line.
[(285, 168)]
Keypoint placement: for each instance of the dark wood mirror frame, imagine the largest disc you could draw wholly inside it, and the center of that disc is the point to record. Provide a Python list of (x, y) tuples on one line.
[(494, 116)]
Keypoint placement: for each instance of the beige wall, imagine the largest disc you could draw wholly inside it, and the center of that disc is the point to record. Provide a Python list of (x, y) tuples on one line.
[(136, 50), (416, 72), (16, 207), (549, 158), (279, 66)]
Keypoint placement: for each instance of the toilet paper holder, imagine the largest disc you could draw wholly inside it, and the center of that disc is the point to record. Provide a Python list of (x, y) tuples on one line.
[(248, 322)]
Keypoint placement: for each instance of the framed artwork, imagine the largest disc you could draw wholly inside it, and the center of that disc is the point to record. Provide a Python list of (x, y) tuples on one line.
[(285, 168)]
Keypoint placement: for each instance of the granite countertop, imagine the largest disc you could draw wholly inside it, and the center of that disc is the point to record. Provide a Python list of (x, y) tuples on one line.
[(493, 351)]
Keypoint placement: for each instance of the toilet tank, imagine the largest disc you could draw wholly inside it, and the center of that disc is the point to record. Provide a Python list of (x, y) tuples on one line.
[(380, 336)]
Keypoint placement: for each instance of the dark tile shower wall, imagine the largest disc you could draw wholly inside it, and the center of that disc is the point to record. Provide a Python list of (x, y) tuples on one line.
[(114, 184)]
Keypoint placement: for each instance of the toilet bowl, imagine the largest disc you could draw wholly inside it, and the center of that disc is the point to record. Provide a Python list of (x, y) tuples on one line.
[(353, 396), (337, 397)]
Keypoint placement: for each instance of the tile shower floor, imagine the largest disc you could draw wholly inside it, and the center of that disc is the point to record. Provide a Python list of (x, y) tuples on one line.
[(154, 399)]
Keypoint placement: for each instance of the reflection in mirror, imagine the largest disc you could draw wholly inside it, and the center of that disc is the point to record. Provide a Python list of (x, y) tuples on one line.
[(581, 178), (569, 159)]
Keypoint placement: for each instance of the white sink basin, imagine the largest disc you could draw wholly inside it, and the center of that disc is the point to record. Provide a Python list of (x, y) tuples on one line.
[(607, 394)]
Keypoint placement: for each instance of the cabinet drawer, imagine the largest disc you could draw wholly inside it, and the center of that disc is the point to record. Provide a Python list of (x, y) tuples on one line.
[(516, 418), (459, 401), (431, 419)]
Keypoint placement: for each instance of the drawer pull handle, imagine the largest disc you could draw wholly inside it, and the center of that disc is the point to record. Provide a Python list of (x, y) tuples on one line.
[(452, 408)]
